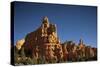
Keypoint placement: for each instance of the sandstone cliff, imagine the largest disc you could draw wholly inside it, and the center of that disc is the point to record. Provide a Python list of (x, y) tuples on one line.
[(43, 46)]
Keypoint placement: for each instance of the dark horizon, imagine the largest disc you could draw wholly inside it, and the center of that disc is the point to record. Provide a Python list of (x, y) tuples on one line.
[(73, 22)]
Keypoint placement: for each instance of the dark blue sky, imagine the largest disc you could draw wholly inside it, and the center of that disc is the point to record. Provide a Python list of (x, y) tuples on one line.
[(73, 22)]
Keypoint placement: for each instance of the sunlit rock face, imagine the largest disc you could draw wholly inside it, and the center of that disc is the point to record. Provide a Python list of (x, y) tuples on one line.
[(20, 43), (44, 42), (43, 46)]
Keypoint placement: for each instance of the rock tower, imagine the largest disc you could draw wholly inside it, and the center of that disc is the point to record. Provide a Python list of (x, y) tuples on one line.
[(44, 42)]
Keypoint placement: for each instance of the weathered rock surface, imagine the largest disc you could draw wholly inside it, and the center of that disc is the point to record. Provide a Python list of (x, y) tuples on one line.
[(44, 42), (20, 43)]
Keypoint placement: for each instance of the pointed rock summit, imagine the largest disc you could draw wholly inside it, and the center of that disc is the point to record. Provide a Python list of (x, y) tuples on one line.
[(45, 20)]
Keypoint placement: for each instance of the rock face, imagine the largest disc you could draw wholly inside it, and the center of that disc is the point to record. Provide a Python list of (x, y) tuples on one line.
[(43, 46), (44, 42), (20, 43)]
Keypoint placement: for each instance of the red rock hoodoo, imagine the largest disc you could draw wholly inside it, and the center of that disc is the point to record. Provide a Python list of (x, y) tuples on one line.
[(44, 42)]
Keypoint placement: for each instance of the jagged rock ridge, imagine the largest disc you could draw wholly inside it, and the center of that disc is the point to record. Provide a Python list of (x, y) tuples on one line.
[(44, 44)]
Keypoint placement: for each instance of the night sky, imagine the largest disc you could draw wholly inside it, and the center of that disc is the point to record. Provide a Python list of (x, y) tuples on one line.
[(73, 22)]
